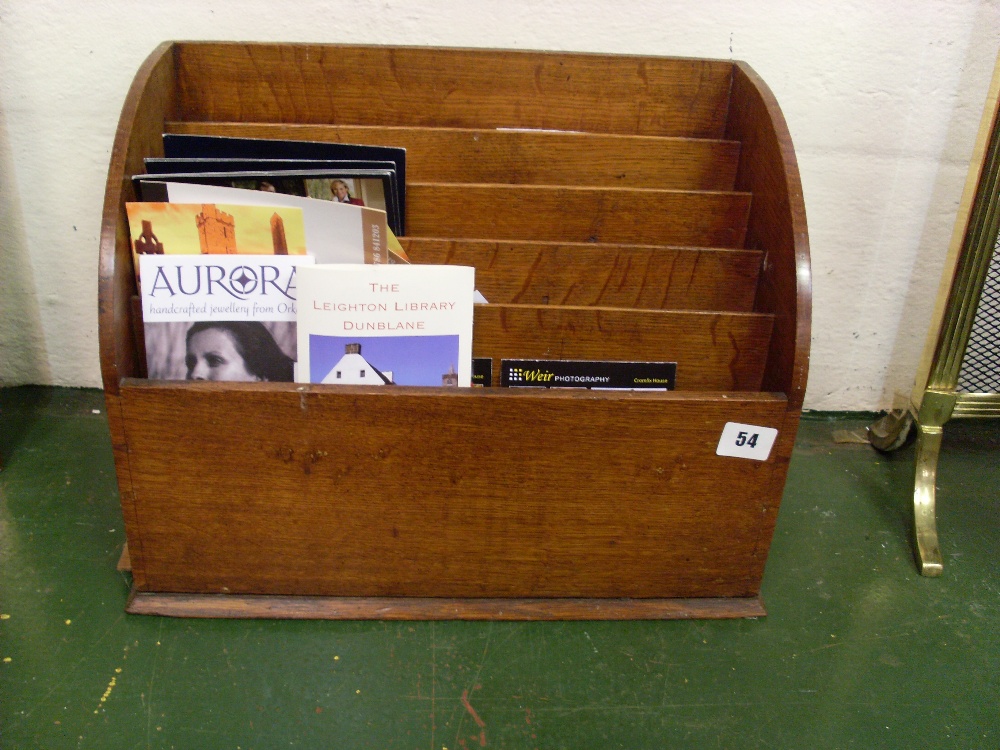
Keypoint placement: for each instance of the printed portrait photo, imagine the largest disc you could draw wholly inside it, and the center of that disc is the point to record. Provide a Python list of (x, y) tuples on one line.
[(236, 350), (355, 190)]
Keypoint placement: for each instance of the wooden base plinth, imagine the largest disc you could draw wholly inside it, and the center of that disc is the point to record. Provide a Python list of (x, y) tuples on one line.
[(432, 608)]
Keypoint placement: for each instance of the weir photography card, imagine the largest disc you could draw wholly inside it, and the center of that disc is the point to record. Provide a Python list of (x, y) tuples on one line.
[(213, 229), (220, 317), (385, 325), (607, 375)]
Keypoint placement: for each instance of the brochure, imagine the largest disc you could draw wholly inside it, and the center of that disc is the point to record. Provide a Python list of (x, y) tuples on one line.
[(373, 188), (213, 229), (220, 317), (335, 232), (385, 325)]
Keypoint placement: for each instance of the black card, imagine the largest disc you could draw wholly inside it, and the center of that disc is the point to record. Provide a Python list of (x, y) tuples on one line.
[(482, 371), (565, 373)]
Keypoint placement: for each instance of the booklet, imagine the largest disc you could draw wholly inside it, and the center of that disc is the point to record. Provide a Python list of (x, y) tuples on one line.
[(385, 325), (335, 232), (220, 317), (163, 165), (374, 188), (213, 229), (184, 145)]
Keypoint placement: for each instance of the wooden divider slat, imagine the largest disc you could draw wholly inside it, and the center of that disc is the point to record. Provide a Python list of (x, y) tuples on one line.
[(575, 214), (522, 157), (713, 351), (312, 83), (631, 276)]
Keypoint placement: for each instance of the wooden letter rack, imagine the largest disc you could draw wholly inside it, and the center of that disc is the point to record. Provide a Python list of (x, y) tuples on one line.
[(615, 208)]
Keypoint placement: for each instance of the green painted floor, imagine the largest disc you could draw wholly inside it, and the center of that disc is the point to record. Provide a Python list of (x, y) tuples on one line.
[(857, 650)]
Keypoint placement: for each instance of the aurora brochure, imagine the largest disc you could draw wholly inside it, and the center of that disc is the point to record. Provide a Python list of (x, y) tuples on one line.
[(220, 317)]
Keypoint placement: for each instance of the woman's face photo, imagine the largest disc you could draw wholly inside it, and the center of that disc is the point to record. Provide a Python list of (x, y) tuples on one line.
[(212, 355)]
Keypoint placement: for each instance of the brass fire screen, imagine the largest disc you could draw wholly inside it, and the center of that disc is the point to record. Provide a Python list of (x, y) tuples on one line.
[(960, 372), (980, 371)]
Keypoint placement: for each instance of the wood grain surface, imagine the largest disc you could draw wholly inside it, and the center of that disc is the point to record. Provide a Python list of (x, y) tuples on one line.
[(577, 214), (150, 100), (421, 86), (777, 225), (443, 492), (234, 606), (604, 275), (665, 210), (521, 157), (714, 351)]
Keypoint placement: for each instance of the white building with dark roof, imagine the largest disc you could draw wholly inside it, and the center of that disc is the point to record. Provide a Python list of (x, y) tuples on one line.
[(353, 369)]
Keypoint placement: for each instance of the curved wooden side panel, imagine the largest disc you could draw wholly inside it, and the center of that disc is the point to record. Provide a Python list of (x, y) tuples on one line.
[(776, 225), (149, 102)]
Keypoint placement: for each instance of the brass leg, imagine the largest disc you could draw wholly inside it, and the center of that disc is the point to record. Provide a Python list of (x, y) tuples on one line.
[(925, 523), (935, 409)]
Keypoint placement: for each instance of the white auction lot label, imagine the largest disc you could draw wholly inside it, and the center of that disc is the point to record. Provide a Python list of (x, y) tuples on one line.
[(746, 441)]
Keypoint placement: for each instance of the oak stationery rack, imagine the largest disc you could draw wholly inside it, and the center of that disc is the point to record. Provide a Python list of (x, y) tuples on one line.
[(615, 207)]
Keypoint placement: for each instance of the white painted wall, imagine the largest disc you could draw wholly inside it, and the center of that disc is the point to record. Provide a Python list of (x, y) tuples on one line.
[(882, 98)]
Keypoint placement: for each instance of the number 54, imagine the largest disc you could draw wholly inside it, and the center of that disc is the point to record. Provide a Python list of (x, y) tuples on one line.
[(745, 438)]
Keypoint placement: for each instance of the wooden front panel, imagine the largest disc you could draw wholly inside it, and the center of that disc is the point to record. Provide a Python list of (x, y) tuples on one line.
[(420, 86), (439, 492), (568, 214), (631, 276), (522, 157), (713, 351)]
